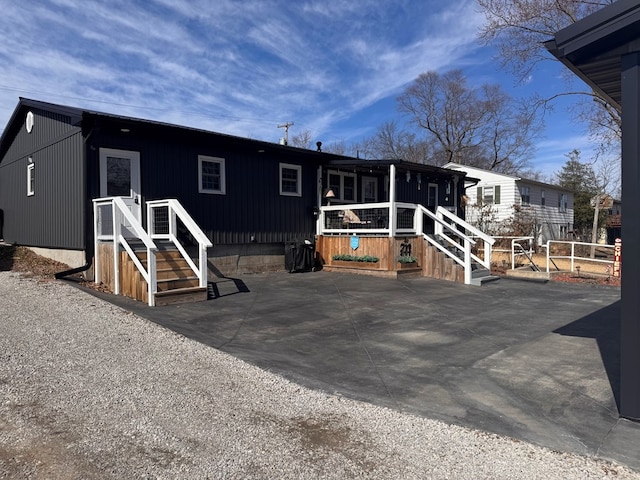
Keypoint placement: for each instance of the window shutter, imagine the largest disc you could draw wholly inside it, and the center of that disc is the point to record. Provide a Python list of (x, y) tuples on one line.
[(496, 195), (479, 198)]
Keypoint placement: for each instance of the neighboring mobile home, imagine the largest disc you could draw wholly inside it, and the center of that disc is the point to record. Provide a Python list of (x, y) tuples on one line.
[(550, 206), (249, 197)]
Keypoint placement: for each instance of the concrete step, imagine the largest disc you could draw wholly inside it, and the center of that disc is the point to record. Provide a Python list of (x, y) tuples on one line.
[(479, 281)]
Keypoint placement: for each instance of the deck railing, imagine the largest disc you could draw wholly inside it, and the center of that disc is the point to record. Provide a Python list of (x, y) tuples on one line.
[(394, 218), (113, 221), (579, 251), (166, 220)]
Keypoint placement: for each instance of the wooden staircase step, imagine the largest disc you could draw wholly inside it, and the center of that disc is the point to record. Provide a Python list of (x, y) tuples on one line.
[(181, 295), (167, 284), (170, 273)]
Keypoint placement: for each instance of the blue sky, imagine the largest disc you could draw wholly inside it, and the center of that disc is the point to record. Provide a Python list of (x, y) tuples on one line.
[(334, 68)]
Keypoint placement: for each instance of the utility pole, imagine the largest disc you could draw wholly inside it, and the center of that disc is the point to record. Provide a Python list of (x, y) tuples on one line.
[(286, 131)]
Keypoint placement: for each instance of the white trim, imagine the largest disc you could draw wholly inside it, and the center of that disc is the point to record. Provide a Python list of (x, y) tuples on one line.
[(31, 188), (133, 199), (432, 187), (343, 175), (223, 182), (374, 180), (298, 169)]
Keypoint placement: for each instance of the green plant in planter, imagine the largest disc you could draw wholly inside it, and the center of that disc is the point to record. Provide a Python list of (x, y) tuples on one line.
[(407, 259), (355, 258)]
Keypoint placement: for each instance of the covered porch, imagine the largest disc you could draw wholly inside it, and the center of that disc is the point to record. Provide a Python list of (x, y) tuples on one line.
[(410, 233)]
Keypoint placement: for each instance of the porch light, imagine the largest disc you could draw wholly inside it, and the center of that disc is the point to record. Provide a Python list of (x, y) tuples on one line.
[(419, 178), (408, 176)]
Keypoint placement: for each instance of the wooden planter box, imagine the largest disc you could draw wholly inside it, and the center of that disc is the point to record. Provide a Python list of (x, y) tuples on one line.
[(403, 266), (365, 265)]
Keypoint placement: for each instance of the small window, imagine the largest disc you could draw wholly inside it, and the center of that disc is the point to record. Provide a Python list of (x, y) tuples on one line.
[(31, 178), (543, 200), (211, 175), (489, 195), (525, 197), (562, 202), (290, 180)]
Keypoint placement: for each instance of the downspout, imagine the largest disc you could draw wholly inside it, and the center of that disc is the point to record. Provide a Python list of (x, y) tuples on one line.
[(73, 271)]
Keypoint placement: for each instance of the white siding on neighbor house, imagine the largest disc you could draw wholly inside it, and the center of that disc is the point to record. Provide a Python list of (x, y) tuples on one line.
[(554, 224), (509, 193)]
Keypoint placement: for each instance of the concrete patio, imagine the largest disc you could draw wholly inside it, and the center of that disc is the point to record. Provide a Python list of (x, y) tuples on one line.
[(538, 362)]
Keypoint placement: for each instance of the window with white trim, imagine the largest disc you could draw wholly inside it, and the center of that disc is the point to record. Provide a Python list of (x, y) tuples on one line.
[(290, 180), (489, 195), (525, 196), (211, 175), (369, 189), (344, 185), (31, 178), (562, 202)]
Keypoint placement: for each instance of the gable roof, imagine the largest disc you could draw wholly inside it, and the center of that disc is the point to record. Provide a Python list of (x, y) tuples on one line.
[(475, 171), (592, 47), (87, 118)]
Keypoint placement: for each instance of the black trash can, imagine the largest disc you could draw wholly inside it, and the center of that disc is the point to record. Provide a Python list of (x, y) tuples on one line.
[(299, 257)]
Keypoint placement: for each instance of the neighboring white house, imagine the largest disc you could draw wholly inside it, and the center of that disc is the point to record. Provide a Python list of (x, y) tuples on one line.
[(550, 205)]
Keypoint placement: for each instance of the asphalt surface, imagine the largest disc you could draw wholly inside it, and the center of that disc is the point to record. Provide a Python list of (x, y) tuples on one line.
[(537, 362)]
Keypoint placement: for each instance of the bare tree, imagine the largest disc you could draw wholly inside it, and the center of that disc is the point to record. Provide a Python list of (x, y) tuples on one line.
[(480, 126), (518, 29), (302, 139), (390, 142)]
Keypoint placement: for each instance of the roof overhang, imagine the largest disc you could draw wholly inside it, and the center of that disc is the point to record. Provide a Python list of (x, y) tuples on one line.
[(592, 48), (384, 164)]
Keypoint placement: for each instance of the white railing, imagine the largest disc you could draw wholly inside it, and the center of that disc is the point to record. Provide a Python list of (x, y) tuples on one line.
[(473, 232), (113, 221), (573, 256), (394, 218), (162, 216)]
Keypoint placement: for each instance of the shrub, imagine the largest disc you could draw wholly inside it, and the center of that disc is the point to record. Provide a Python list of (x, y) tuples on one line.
[(407, 259), (355, 258)]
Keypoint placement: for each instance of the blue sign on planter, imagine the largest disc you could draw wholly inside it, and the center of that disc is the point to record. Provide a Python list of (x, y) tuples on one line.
[(355, 242)]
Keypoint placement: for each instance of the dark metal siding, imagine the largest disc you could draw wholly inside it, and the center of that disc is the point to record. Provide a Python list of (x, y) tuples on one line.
[(252, 205), (53, 217)]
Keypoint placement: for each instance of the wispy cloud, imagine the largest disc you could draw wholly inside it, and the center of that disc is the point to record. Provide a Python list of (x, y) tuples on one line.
[(234, 67)]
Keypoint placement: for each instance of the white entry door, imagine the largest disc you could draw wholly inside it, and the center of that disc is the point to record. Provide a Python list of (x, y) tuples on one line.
[(120, 177)]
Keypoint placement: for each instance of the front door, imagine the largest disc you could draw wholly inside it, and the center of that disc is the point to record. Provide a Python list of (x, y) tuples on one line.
[(120, 177), (432, 196)]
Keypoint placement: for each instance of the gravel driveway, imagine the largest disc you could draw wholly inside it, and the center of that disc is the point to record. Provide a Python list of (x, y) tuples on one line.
[(89, 390)]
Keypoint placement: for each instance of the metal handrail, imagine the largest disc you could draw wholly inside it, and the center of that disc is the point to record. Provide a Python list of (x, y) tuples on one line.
[(121, 213), (515, 241), (175, 209)]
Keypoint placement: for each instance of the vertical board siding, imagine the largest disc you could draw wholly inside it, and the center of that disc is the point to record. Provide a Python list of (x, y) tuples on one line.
[(54, 216), (252, 204)]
